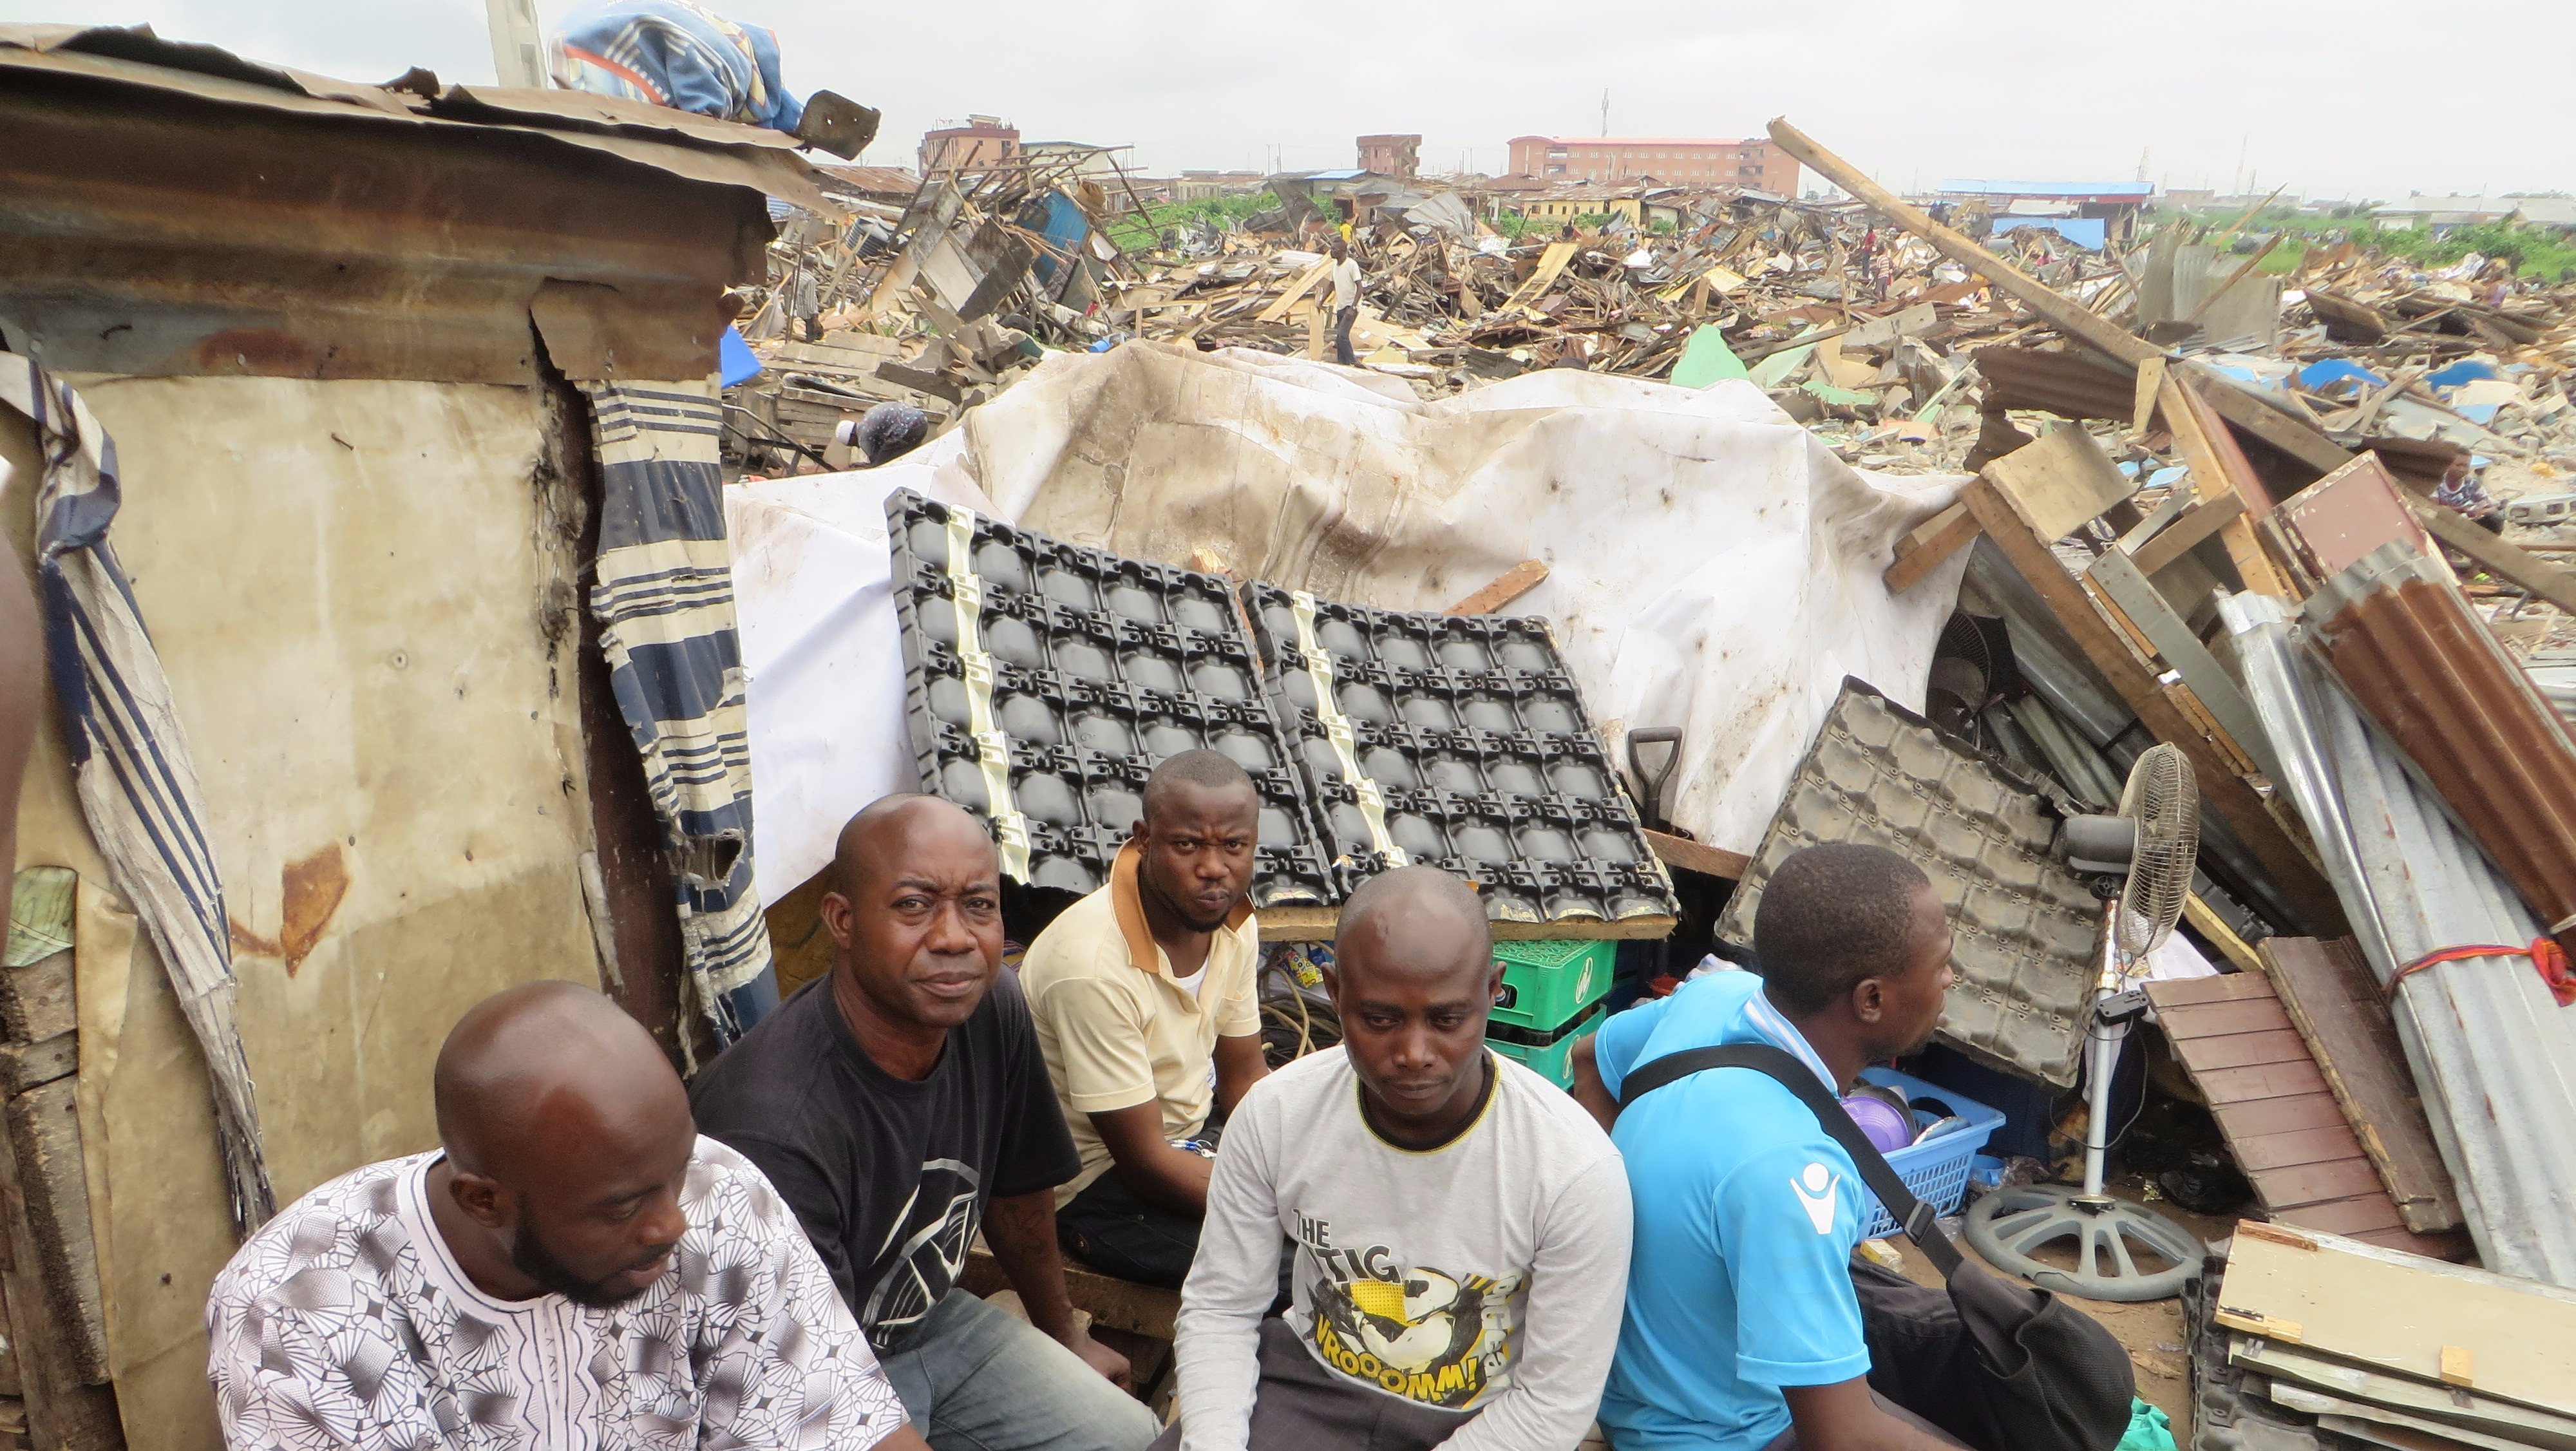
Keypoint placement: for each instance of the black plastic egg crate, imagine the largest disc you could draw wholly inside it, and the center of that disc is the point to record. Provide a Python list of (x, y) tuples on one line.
[(1098, 667), (1478, 750)]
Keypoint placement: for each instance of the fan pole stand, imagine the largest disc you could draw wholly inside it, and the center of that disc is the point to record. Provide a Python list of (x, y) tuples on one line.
[(2008, 1225)]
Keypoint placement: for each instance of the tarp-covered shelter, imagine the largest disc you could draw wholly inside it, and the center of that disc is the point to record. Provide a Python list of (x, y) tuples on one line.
[(381, 423)]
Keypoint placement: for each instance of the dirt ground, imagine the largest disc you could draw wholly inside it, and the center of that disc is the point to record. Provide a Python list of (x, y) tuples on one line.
[(2151, 1332)]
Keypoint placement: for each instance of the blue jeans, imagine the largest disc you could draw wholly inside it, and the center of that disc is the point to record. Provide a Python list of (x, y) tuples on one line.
[(976, 1379)]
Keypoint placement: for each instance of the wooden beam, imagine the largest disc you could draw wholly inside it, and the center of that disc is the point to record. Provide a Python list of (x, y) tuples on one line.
[(2542, 579), (1930, 542), (2069, 316), (1699, 856), (2215, 476), (2301, 441), (1508, 586), (2204, 919), (2061, 482), (2176, 539), (2292, 874)]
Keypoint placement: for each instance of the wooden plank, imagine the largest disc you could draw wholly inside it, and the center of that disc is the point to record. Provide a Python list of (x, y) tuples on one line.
[(2066, 314), (44, 1142), (2217, 1019), (2287, 1189), (2423, 1397), (2178, 538), (2365, 1214), (2267, 1080), (36, 1000), (66, 1410), (2218, 470), (2224, 988), (2505, 561), (2062, 481), (26, 1065), (2334, 1003), (2241, 408), (1508, 586), (1315, 924), (2292, 874), (2299, 1146), (2205, 920), (2134, 596), (2251, 1050), (1698, 856), (2395, 1313), (2258, 1117), (1930, 542), (1279, 305), (1551, 263), (1116, 1303)]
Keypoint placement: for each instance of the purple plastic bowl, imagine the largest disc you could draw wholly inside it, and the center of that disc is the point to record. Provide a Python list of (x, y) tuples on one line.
[(1880, 1122)]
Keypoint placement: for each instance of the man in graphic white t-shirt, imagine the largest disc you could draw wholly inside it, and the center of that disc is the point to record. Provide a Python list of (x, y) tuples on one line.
[(1461, 1225)]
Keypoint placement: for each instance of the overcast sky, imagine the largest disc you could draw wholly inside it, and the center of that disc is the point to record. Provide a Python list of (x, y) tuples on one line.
[(2356, 98)]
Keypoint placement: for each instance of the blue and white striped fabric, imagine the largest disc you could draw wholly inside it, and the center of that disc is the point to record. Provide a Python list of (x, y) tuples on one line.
[(664, 601), (673, 53), (129, 756)]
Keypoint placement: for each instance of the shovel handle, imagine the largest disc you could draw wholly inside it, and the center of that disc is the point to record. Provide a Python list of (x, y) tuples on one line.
[(1652, 783)]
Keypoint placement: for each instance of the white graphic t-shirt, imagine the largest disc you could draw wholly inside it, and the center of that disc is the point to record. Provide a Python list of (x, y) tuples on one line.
[(1485, 1275), (346, 1323)]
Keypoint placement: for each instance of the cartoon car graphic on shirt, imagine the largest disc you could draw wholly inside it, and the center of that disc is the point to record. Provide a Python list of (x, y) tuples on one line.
[(1440, 1339)]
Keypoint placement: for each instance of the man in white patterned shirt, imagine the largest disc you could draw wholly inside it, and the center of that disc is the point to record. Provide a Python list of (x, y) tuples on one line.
[(575, 1270)]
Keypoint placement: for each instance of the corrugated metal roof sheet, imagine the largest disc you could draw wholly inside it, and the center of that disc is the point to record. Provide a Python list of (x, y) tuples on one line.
[(2491, 1051)]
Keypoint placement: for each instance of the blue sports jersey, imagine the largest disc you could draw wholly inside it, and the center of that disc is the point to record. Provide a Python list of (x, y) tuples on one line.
[(1746, 1217)]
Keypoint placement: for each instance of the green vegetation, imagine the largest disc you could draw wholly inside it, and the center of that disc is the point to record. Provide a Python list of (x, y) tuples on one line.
[(1139, 230), (1516, 226), (2532, 250)]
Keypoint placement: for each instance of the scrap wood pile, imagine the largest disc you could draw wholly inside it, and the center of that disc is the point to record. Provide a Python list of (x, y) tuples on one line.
[(940, 302), (2386, 792), (2309, 1339)]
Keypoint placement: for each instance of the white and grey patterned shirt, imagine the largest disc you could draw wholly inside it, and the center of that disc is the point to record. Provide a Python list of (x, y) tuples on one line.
[(346, 1323)]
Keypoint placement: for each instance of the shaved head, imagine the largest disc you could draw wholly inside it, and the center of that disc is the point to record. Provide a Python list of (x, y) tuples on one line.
[(568, 1142), (891, 829), (529, 1063), (1417, 920), (916, 917), (1413, 982)]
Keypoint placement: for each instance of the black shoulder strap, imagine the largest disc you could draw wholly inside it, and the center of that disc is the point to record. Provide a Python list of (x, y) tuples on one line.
[(1912, 1215)]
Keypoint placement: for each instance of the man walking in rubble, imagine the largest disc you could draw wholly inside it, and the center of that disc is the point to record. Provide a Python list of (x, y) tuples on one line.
[(1346, 301)]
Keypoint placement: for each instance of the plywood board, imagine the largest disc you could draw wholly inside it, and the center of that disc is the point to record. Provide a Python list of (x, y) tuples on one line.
[(2334, 1003), (2396, 1312), (2061, 481), (2288, 1366), (2270, 1099)]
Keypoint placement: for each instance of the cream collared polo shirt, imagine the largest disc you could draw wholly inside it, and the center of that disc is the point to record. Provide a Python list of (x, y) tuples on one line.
[(1116, 1029)]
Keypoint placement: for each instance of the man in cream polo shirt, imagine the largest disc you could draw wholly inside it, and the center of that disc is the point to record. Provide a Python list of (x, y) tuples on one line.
[(1143, 996)]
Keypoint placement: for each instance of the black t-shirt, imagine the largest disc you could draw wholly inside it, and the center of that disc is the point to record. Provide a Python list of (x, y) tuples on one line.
[(889, 1177)]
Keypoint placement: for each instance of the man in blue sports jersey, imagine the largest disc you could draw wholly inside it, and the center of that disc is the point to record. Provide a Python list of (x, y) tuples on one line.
[(1743, 1329)]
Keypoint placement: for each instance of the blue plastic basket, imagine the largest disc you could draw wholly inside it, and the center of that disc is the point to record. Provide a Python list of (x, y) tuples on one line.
[(1936, 1171)]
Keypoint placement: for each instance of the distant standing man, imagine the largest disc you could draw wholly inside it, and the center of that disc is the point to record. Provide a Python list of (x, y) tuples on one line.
[(899, 1102), (573, 1266), (1144, 998), (1462, 1227), (1346, 301)]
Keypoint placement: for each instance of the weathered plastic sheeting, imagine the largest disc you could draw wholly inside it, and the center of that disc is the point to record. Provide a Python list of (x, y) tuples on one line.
[(2491, 1051), (1712, 566), (821, 651), (360, 593)]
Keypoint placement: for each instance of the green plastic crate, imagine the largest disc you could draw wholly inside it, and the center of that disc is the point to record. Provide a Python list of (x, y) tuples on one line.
[(1550, 1055), (1547, 985)]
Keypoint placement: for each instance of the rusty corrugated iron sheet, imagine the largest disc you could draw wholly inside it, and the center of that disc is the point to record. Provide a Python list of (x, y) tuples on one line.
[(2067, 383), (172, 210), (2422, 665)]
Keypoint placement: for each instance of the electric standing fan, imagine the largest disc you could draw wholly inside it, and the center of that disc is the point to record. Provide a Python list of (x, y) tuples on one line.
[(2140, 863)]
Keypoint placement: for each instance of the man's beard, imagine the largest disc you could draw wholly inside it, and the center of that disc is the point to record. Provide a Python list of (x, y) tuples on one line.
[(529, 1255)]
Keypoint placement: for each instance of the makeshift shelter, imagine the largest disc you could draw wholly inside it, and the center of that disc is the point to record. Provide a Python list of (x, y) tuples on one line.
[(390, 415)]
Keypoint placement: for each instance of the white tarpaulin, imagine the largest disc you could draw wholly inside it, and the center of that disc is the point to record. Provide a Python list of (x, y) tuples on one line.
[(1712, 566), (813, 599)]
